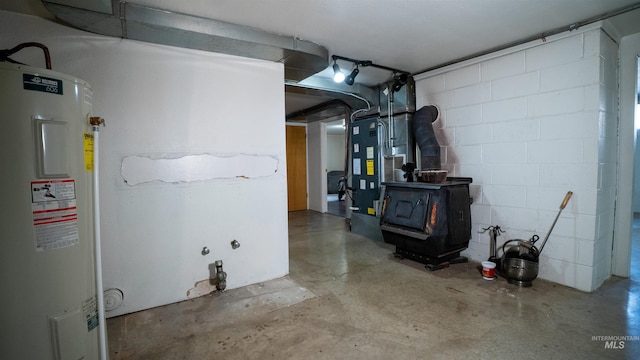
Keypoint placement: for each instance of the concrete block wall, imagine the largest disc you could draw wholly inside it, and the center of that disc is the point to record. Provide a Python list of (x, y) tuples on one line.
[(607, 158), (529, 125)]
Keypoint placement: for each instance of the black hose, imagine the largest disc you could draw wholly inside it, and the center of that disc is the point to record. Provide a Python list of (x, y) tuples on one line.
[(4, 54)]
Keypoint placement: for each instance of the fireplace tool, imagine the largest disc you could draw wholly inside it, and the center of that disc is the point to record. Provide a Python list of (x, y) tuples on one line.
[(519, 262), (495, 231)]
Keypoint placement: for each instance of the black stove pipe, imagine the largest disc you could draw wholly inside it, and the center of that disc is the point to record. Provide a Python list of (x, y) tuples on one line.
[(426, 138)]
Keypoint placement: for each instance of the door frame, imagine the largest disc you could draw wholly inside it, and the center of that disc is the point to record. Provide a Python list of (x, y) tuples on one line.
[(317, 165), (628, 59), (306, 169)]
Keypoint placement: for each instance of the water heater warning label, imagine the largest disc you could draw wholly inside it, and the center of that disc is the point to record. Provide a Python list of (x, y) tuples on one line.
[(55, 214), (88, 152), (90, 310)]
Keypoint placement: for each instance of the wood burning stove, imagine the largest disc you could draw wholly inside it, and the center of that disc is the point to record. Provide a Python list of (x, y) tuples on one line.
[(428, 223)]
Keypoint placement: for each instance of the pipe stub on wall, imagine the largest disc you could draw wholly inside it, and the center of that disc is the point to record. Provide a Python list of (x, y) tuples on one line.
[(113, 299)]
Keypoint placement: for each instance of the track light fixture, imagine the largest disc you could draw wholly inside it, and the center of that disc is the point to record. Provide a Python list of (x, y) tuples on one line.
[(399, 80), (352, 77), (400, 77)]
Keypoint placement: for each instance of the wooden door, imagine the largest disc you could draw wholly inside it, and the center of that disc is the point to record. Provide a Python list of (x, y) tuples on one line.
[(297, 167)]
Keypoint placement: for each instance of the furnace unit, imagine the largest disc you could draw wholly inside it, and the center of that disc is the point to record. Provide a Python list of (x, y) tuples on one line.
[(380, 143), (366, 168)]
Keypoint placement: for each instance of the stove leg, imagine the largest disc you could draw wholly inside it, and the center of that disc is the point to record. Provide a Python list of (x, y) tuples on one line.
[(431, 263), (459, 260), (434, 267), (445, 264)]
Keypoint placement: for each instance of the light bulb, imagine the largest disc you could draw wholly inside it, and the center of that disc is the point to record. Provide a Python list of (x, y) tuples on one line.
[(338, 76)]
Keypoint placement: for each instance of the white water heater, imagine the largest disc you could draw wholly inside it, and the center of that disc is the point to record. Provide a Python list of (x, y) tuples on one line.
[(47, 281)]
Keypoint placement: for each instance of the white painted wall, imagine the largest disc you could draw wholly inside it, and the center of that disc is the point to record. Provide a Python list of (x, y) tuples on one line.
[(636, 172), (529, 124), (317, 166), (335, 152), (161, 102)]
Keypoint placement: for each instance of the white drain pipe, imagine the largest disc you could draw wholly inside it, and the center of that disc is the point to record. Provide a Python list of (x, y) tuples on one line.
[(102, 327)]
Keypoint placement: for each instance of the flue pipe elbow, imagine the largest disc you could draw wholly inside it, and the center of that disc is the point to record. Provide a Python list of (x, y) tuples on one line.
[(426, 138)]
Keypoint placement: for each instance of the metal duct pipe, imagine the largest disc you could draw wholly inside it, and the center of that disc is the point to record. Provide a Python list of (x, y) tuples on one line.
[(119, 18), (329, 105), (392, 124), (426, 138)]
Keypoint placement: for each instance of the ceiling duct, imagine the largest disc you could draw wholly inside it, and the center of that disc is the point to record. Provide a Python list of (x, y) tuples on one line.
[(357, 96), (118, 18), (330, 109)]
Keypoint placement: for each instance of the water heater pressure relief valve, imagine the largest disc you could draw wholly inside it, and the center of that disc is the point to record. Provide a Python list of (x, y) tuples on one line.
[(97, 121)]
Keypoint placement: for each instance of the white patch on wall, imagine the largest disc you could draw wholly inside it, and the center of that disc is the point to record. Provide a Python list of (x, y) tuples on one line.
[(137, 169)]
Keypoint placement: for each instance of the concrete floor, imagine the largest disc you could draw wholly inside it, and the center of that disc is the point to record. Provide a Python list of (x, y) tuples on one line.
[(347, 297)]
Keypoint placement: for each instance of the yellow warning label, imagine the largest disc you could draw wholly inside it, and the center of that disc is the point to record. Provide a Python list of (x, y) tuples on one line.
[(370, 167), (88, 152), (371, 211)]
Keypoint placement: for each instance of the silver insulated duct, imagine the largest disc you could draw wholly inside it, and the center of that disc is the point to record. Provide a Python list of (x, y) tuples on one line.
[(118, 18), (396, 139)]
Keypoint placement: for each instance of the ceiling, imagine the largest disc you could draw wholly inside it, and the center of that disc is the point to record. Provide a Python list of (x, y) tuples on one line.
[(409, 35)]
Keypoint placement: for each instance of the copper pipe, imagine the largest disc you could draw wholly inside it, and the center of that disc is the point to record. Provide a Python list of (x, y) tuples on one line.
[(47, 56)]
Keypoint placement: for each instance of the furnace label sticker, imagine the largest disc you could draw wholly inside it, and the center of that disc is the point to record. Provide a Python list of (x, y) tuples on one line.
[(356, 167), (55, 214), (369, 152), (356, 130), (370, 168), (88, 152)]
